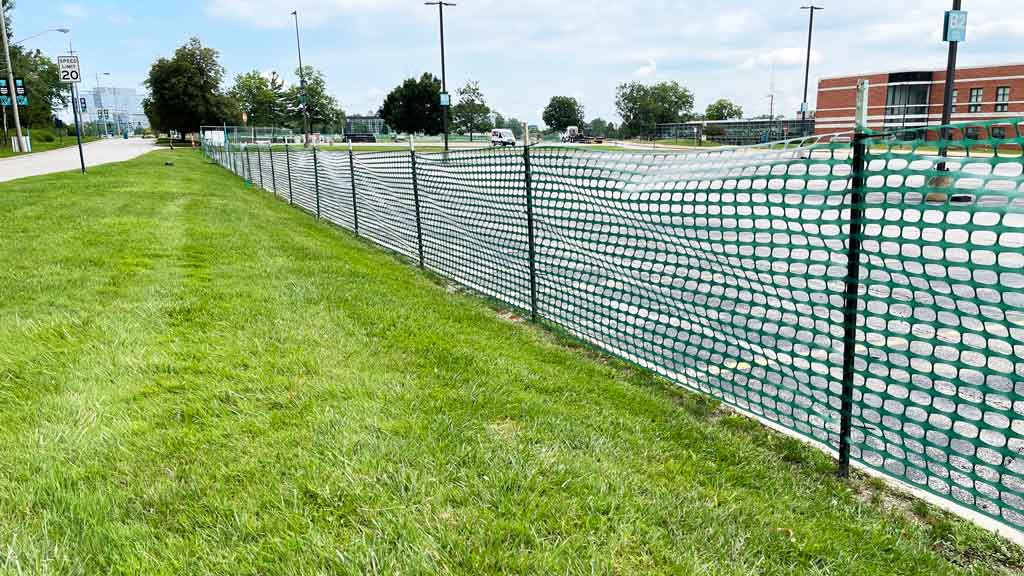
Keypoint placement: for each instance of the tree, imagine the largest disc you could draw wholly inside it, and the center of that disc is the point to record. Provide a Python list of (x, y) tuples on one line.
[(261, 98), (499, 121), (562, 112), (723, 109), (515, 125), (185, 91), (471, 114), (643, 107), (599, 127), (325, 115), (414, 106), (45, 91)]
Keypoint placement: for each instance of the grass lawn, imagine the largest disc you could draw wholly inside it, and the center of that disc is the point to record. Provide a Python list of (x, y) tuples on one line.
[(40, 146), (197, 379)]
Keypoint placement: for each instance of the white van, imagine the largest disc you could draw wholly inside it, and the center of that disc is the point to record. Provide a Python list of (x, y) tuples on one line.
[(502, 137)]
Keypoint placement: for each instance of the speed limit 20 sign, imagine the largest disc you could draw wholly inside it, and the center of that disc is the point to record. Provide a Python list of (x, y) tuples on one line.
[(68, 68)]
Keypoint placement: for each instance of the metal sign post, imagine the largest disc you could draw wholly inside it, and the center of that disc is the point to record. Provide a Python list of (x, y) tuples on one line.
[(954, 31), (70, 73)]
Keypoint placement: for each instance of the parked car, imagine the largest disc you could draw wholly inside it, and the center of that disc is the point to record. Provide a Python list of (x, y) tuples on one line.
[(502, 137)]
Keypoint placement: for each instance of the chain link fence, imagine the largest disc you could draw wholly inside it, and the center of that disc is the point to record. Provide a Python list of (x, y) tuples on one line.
[(869, 298)]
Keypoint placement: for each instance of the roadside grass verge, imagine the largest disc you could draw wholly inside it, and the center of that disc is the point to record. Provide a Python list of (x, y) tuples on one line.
[(197, 379), (41, 146)]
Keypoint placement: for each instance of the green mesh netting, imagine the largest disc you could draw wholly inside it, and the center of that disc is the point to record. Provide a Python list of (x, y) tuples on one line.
[(724, 270)]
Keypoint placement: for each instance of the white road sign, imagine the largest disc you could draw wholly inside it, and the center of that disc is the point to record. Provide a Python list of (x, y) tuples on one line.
[(69, 71)]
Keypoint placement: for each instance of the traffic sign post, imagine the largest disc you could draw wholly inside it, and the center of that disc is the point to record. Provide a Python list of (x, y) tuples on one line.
[(70, 73)]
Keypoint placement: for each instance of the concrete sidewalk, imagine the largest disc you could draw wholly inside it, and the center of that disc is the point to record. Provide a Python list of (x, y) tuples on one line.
[(64, 159)]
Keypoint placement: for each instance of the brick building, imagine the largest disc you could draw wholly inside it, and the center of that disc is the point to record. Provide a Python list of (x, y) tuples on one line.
[(900, 102)]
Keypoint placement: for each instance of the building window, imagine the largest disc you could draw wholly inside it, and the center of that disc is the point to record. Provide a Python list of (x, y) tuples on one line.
[(956, 94), (1002, 99), (977, 94), (998, 132)]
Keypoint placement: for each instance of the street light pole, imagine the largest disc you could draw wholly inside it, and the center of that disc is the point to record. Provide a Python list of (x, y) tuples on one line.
[(807, 66), (444, 80), (12, 89), (302, 81)]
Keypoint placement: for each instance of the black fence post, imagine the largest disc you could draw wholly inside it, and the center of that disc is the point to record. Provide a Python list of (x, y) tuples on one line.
[(416, 202), (851, 298), (352, 173), (288, 162), (273, 175), (530, 232), (259, 164), (248, 166), (316, 181)]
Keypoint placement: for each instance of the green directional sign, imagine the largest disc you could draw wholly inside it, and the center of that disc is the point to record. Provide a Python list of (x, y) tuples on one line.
[(20, 92)]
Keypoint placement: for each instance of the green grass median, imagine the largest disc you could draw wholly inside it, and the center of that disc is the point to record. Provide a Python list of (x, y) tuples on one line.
[(196, 378)]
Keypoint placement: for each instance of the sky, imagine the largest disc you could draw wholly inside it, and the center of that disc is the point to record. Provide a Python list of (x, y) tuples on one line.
[(522, 52)]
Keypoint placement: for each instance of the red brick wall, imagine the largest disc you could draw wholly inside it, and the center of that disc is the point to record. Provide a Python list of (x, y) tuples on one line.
[(836, 107)]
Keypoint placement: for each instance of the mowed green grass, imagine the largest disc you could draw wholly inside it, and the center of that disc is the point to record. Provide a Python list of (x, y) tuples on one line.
[(38, 145), (197, 379)]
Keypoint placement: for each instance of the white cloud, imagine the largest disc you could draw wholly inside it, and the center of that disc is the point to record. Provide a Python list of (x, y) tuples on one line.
[(782, 57), (525, 51), (649, 70), (74, 10), (312, 13)]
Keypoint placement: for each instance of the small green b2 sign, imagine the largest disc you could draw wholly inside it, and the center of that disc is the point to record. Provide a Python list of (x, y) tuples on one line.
[(955, 29)]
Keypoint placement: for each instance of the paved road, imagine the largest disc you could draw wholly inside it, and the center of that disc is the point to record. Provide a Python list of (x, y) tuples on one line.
[(64, 159)]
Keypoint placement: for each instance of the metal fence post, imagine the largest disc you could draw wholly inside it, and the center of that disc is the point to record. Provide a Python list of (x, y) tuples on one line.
[(288, 162), (530, 232), (316, 181), (259, 164), (416, 200), (273, 175), (352, 173), (248, 166), (851, 295)]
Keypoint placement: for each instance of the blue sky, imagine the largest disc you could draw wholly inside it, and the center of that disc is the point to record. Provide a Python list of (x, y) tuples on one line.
[(525, 51)]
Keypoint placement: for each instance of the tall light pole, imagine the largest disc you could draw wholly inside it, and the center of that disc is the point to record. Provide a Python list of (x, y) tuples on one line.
[(302, 82), (12, 90), (807, 67), (444, 80)]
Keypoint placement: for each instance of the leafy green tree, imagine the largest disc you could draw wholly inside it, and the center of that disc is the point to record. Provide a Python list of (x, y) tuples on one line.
[(45, 91), (261, 98), (499, 121), (723, 109), (598, 127), (642, 107), (515, 125), (562, 112), (185, 91), (414, 106), (325, 115), (471, 114)]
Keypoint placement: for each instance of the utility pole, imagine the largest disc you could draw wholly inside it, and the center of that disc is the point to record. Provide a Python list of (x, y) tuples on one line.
[(10, 79), (953, 33), (302, 81), (444, 80), (807, 67)]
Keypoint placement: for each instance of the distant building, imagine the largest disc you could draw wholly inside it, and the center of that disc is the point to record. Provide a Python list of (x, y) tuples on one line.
[(903, 102), (366, 125), (120, 108)]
